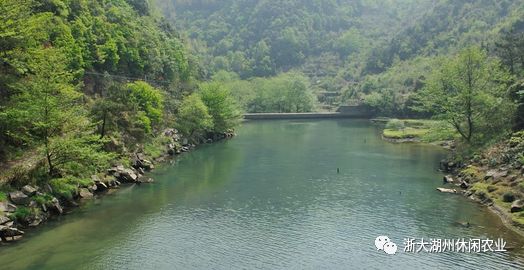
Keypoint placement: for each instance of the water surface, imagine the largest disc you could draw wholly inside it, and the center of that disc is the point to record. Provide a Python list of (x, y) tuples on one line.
[(272, 199)]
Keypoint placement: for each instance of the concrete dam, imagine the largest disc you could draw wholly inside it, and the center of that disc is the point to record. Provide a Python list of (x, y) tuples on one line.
[(342, 112)]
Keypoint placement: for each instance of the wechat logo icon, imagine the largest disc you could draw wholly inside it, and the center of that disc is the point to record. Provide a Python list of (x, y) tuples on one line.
[(384, 243)]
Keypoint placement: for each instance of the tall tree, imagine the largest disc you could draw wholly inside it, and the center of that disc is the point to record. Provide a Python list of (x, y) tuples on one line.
[(221, 106), (45, 104), (193, 117), (470, 92)]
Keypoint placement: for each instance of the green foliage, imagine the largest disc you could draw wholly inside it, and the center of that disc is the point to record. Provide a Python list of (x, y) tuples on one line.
[(78, 154), (67, 187), (264, 38), (395, 124), (42, 102), (147, 99), (221, 106), (3, 196), (136, 109), (21, 214), (469, 92), (156, 147), (43, 199), (193, 117), (287, 92)]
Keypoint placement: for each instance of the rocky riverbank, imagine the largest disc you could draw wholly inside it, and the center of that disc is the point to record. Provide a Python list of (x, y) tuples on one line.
[(32, 205), (495, 178)]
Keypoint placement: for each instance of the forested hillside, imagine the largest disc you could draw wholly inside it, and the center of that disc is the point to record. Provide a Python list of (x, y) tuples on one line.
[(372, 52), (84, 84)]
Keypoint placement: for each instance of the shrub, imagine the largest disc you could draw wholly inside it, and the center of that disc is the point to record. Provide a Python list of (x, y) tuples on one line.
[(395, 124), (67, 187), (508, 197), (21, 213), (3, 196), (43, 199)]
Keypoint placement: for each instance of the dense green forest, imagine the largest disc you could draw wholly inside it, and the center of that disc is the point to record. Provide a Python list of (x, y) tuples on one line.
[(376, 53), (86, 83)]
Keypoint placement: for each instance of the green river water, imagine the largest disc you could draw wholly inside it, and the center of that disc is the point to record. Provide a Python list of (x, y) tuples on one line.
[(271, 198)]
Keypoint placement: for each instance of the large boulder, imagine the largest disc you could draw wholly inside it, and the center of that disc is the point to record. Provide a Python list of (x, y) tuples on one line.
[(29, 190), (99, 185), (123, 174), (141, 162), (517, 206), (127, 175), (18, 197)]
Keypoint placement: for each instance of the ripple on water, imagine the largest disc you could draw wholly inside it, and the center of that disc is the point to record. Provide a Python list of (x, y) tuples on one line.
[(272, 199)]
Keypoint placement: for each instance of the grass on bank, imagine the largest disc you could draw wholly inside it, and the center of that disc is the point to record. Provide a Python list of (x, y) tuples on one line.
[(418, 129)]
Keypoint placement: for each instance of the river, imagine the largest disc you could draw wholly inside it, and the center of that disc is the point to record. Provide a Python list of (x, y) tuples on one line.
[(271, 198)]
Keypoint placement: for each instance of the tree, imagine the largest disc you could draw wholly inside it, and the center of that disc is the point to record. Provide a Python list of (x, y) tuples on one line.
[(147, 99), (470, 92), (46, 111), (510, 49), (45, 103), (193, 116), (224, 110)]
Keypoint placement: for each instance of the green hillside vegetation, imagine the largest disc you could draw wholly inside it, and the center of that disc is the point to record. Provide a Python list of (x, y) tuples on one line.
[(379, 54), (86, 83)]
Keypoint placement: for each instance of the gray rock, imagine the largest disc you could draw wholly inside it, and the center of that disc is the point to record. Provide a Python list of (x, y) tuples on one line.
[(92, 188), (447, 179), (128, 175), (464, 185), (4, 220), (85, 193), (18, 197), (517, 206), (489, 174), (7, 207), (29, 190), (55, 205), (10, 231), (496, 175), (146, 180), (37, 221), (447, 190), (33, 204)]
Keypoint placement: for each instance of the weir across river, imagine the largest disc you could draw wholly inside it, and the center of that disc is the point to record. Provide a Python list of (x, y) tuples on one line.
[(342, 112)]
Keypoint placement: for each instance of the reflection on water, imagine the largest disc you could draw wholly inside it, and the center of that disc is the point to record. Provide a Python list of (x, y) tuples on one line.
[(272, 199)]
